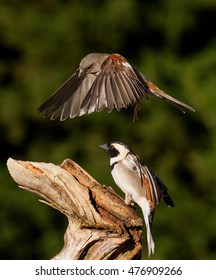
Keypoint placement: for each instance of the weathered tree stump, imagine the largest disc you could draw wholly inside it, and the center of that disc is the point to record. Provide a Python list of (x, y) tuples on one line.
[(101, 226)]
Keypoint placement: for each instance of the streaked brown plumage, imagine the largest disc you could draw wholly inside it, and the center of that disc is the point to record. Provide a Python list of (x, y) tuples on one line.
[(102, 81)]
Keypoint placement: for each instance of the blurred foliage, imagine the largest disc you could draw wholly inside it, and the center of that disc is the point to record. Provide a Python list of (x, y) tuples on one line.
[(173, 43)]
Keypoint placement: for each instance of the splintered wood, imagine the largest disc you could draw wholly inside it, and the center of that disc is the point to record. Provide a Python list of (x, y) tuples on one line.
[(100, 225)]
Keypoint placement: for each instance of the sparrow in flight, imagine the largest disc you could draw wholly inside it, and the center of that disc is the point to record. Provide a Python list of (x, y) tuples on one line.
[(103, 81), (139, 184)]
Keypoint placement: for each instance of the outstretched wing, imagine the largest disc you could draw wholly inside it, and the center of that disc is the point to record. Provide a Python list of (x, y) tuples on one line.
[(116, 86), (66, 101)]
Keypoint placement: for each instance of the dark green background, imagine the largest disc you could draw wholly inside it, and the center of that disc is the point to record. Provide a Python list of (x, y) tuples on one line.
[(173, 43)]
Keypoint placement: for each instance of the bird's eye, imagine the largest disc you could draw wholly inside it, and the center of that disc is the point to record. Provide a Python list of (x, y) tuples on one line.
[(89, 67), (111, 147)]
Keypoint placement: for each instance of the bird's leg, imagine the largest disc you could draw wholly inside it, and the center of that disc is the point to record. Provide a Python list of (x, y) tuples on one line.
[(136, 110)]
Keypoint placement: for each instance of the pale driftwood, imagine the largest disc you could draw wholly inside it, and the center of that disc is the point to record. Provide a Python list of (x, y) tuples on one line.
[(101, 226)]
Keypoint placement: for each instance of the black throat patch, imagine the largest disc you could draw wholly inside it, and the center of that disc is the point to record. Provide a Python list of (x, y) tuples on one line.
[(113, 152)]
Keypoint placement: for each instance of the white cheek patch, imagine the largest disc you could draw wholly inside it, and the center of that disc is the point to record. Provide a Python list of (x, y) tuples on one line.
[(116, 159)]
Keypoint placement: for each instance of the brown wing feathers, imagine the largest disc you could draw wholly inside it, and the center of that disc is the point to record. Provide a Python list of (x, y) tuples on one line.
[(102, 81)]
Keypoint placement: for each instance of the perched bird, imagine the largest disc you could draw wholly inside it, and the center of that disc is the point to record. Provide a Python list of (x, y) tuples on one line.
[(139, 184), (103, 81)]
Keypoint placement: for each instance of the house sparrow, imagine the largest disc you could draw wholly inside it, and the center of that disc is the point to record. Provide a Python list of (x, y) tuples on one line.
[(139, 184), (102, 81)]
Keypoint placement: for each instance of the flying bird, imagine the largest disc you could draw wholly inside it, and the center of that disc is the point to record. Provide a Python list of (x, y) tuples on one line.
[(139, 184), (103, 81)]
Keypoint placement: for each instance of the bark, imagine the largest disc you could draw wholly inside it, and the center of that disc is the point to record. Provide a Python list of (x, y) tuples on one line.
[(100, 225)]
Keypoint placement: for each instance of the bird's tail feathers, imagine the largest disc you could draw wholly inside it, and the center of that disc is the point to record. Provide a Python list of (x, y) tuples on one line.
[(155, 91), (148, 222), (175, 102)]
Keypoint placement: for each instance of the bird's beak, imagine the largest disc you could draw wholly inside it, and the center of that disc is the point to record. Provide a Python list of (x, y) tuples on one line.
[(104, 146)]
